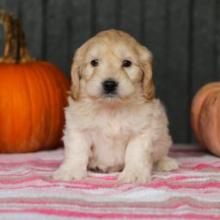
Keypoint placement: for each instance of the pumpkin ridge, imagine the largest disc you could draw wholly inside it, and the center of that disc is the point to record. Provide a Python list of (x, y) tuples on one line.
[(34, 129), (46, 105), (6, 121), (21, 101), (63, 97), (51, 97), (59, 99), (30, 122)]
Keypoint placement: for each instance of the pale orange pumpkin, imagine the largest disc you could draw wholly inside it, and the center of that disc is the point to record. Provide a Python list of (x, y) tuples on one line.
[(32, 96), (205, 117)]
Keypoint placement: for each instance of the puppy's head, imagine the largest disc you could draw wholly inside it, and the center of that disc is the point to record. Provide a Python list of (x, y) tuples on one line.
[(112, 67)]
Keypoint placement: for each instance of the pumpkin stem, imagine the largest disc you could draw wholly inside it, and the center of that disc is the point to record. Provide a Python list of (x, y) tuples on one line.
[(15, 48)]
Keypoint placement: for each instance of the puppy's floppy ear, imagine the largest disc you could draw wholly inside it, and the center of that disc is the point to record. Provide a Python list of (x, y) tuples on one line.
[(147, 79), (75, 76)]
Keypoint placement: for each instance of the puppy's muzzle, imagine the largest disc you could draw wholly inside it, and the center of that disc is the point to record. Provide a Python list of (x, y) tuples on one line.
[(110, 87)]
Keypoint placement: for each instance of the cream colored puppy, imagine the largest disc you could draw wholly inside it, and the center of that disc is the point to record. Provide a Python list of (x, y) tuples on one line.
[(113, 121)]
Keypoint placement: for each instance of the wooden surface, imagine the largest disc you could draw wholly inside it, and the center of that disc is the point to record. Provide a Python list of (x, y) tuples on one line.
[(184, 36)]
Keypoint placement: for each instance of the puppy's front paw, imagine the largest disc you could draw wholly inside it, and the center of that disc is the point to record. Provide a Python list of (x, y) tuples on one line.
[(66, 174), (167, 164), (134, 176)]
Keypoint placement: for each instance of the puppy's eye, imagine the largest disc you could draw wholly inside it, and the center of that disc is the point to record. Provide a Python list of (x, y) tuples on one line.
[(94, 62), (126, 63)]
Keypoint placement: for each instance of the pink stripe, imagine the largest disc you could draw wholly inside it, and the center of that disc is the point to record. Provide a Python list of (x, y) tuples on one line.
[(97, 185), (38, 163), (186, 185), (138, 205), (204, 166), (199, 166), (76, 184)]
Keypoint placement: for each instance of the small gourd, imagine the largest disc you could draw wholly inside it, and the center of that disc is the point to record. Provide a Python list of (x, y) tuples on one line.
[(205, 117)]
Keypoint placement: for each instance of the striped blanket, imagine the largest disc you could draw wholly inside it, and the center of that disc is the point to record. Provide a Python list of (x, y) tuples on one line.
[(28, 192)]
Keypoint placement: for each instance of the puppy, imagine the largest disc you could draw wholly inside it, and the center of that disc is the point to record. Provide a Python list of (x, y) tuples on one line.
[(113, 120)]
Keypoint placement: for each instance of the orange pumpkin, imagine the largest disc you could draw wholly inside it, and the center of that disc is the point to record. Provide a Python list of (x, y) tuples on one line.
[(32, 96), (205, 117)]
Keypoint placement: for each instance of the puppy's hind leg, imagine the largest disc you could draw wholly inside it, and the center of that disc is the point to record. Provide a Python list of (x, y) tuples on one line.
[(166, 164)]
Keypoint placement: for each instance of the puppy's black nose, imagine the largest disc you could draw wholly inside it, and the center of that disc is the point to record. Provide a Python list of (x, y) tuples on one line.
[(109, 86)]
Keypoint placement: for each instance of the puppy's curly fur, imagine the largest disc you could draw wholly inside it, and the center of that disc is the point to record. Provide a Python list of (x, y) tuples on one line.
[(126, 130)]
